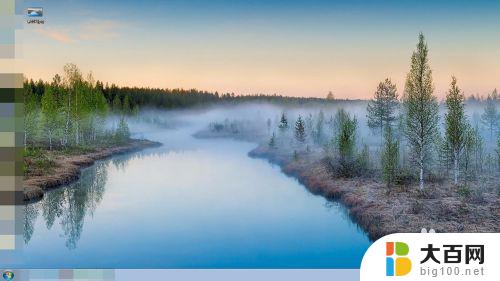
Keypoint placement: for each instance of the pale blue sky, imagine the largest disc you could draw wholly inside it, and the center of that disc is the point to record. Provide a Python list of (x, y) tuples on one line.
[(289, 47)]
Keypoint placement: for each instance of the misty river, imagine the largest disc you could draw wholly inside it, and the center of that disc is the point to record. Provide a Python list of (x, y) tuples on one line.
[(191, 203)]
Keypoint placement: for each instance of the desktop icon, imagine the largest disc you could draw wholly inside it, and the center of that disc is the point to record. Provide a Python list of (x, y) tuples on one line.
[(34, 12), (8, 275)]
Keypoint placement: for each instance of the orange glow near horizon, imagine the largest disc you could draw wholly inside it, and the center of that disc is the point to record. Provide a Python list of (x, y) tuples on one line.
[(291, 55)]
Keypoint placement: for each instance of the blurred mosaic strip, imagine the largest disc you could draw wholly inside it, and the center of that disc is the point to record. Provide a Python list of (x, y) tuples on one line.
[(11, 133), (61, 274)]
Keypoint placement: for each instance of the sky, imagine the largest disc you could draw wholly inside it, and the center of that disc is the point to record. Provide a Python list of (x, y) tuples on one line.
[(293, 48)]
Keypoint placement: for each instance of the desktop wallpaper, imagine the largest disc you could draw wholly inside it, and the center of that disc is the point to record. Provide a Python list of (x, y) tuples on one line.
[(251, 134)]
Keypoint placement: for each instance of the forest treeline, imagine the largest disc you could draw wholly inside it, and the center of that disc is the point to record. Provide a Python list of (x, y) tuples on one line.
[(416, 142), (73, 110), (70, 111), (131, 99)]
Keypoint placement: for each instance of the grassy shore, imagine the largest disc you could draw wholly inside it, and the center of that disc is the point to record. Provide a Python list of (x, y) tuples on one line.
[(45, 169), (381, 211)]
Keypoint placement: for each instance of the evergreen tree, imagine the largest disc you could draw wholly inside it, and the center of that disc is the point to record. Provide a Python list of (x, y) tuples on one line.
[(126, 105), (490, 116), (390, 157), (268, 123), (309, 124), (283, 125), (421, 108), (344, 146), (455, 125), (272, 141), (300, 130), (494, 95), (363, 160), (318, 130), (117, 105), (382, 108), (346, 135), (101, 112)]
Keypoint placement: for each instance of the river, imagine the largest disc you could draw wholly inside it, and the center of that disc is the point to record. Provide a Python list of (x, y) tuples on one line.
[(191, 203)]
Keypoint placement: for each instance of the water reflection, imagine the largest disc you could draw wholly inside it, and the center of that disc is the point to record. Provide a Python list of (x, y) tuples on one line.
[(30, 216), (71, 204), (200, 203)]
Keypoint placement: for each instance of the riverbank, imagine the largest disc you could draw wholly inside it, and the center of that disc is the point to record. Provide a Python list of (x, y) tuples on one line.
[(380, 211), (59, 168)]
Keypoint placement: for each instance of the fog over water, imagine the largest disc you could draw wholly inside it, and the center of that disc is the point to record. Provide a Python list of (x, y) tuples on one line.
[(191, 203), (196, 202)]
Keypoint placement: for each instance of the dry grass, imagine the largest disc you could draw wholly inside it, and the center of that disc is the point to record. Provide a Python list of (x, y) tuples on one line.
[(380, 211), (66, 167)]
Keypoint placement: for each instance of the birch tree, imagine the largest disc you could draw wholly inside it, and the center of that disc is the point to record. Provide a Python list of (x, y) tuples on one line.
[(455, 125), (30, 115), (421, 108), (50, 115)]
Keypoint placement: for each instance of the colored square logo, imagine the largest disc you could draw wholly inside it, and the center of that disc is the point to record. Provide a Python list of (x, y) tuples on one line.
[(396, 263)]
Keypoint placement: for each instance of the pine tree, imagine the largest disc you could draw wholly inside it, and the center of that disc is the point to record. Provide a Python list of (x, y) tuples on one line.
[(382, 108), (494, 95), (272, 141), (300, 130), (126, 105), (117, 105), (390, 157), (490, 116), (283, 125), (309, 124), (421, 108), (318, 130), (455, 125), (346, 135), (363, 160)]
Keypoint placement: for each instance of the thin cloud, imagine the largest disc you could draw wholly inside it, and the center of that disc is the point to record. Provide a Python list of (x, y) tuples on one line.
[(91, 30), (58, 35)]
